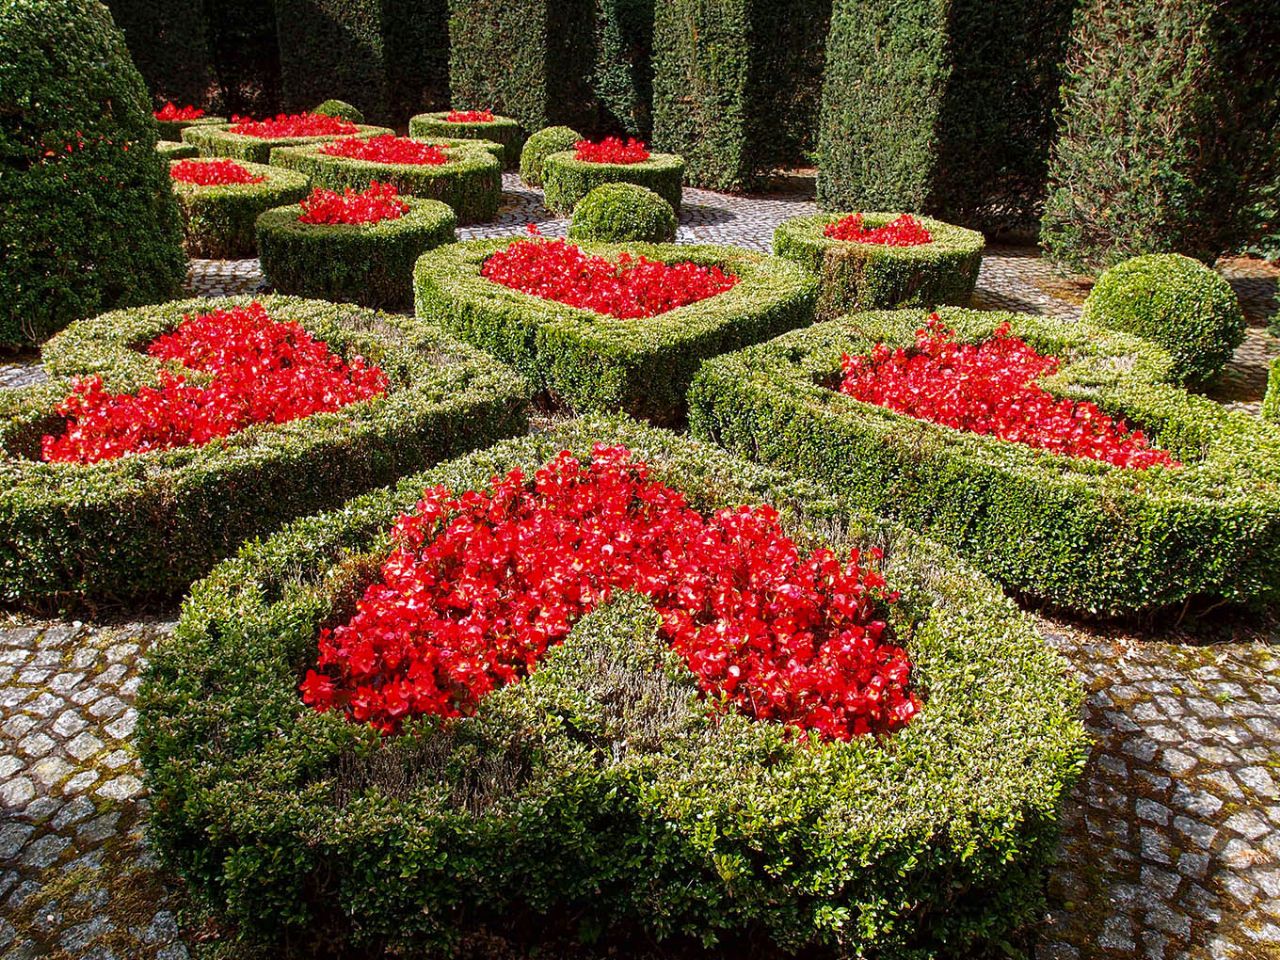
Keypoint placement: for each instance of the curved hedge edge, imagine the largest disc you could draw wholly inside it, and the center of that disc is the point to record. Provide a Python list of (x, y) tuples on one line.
[(1078, 534), (142, 528), (216, 140), (729, 829), (219, 221), (502, 130), (172, 129), (174, 150), (566, 180)]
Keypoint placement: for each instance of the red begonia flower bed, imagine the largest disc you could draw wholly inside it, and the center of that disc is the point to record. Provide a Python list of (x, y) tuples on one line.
[(905, 231), (387, 148), (470, 116), (213, 173), (285, 126), (380, 201), (611, 150), (170, 113)]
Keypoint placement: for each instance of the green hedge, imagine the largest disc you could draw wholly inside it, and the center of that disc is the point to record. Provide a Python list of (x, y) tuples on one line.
[(368, 264), (1080, 534), (217, 140), (219, 221), (541, 145), (596, 799), (623, 77), (246, 56), (169, 43), (340, 109), (503, 130), (737, 85), (171, 130), (1168, 122), (942, 108), (470, 183), (1177, 302), (594, 362), (1271, 402), (172, 150), (623, 213), (143, 527), (96, 226), (567, 180), (870, 276)]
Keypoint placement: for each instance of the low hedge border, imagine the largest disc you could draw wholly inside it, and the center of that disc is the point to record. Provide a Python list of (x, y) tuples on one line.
[(1271, 401), (503, 130), (172, 129), (566, 180), (599, 787), (173, 150), (470, 183), (872, 276), (1077, 533), (218, 222), (541, 145), (593, 362), (368, 264), (143, 527), (217, 140)]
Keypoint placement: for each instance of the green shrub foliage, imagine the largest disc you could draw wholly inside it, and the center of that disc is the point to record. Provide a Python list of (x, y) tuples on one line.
[(593, 362), (623, 78), (143, 527), (1080, 534), (170, 46), (870, 276), (1271, 402), (95, 225), (246, 56), (1167, 140), (340, 109), (171, 130), (217, 140), (502, 130), (1179, 303), (600, 786), (172, 150), (219, 221), (541, 145), (368, 264), (621, 213), (737, 85), (945, 109), (566, 180)]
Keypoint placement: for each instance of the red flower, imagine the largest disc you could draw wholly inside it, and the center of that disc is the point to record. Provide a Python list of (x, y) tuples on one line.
[(632, 287), (906, 231), (261, 371), (478, 587), (379, 202), (470, 116), (212, 173), (170, 113), (286, 126), (990, 388), (387, 148), (611, 150)]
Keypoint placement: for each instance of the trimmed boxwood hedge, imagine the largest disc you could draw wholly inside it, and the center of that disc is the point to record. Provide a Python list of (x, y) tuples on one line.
[(143, 527), (503, 130), (470, 183), (1077, 533), (340, 109), (217, 140), (172, 150), (869, 276), (220, 221), (172, 129), (368, 264), (622, 213), (541, 145), (599, 788), (593, 362), (1271, 401), (567, 180), (623, 76)]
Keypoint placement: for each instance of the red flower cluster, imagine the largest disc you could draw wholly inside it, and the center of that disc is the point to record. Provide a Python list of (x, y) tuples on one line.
[(990, 388), (633, 287), (387, 148), (262, 371), (611, 150), (470, 116), (478, 587), (170, 113), (213, 173), (379, 202), (285, 126), (906, 231)]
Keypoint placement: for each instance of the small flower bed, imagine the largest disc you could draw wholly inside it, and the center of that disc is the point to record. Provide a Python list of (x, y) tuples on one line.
[(285, 126), (381, 201), (262, 371), (388, 148), (477, 588), (627, 288), (905, 231), (470, 116), (477, 125), (170, 113), (213, 173), (611, 150)]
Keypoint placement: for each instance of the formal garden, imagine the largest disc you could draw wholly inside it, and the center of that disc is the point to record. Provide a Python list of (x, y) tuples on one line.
[(658, 479)]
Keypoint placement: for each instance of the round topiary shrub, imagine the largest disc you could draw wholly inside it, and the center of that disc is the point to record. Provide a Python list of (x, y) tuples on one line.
[(89, 219), (503, 130), (541, 145), (220, 218), (470, 181), (603, 784), (173, 150), (566, 180), (217, 140), (621, 213), (1177, 302), (143, 526), (340, 109), (873, 276), (366, 263)]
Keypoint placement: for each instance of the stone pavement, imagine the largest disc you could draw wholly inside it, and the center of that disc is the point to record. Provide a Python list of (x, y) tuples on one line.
[(1172, 847)]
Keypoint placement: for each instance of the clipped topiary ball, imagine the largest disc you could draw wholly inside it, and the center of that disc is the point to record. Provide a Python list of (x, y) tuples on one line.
[(90, 222), (541, 145), (340, 109), (1176, 302), (623, 213)]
